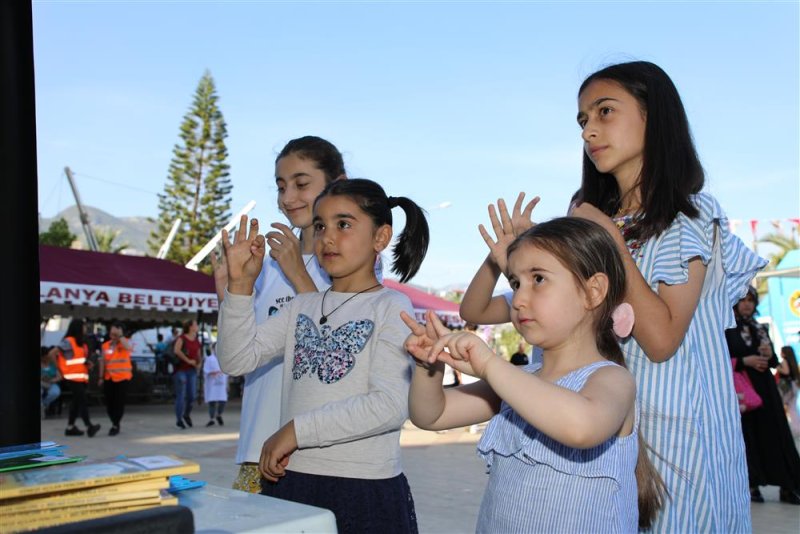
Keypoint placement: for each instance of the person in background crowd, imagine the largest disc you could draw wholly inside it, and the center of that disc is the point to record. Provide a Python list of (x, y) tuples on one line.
[(215, 390), (74, 364), (789, 384), (519, 357), (49, 378), (772, 458), (190, 360), (116, 372)]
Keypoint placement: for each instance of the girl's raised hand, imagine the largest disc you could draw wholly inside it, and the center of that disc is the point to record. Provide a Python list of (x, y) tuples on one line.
[(590, 213), (421, 339), (220, 270), (244, 257), (507, 227), (284, 247)]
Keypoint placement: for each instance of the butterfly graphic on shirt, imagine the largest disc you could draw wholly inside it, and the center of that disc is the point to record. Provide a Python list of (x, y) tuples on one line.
[(328, 353)]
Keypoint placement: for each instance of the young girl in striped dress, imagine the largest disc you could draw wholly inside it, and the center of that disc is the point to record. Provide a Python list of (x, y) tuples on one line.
[(563, 442)]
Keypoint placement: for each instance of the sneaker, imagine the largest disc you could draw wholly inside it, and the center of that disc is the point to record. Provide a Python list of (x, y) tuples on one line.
[(755, 495), (73, 431), (92, 430), (180, 424), (188, 420), (210, 423), (219, 420), (113, 431)]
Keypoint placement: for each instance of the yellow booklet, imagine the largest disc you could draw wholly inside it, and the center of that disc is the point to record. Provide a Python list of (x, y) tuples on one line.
[(82, 497), (90, 474), (44, 518)]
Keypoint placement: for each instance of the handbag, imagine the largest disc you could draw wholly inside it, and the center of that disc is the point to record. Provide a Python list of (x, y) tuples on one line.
[(749, 399)]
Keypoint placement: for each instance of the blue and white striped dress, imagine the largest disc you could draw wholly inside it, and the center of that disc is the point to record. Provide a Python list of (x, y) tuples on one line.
[(690, 415), (537, 484)]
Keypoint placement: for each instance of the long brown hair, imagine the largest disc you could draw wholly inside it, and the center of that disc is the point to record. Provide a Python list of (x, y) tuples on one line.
[(585, 248), (787, 353)]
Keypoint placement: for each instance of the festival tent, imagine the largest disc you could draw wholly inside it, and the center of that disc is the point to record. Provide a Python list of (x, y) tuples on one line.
[(134, 289), (102, 287), (422, 302)]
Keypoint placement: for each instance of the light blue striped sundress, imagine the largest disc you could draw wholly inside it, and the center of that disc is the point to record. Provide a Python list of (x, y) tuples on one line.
[(690, 415), (537, 484)]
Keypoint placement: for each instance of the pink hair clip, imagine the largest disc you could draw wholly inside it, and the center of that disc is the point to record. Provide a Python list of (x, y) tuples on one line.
[(622, 318)]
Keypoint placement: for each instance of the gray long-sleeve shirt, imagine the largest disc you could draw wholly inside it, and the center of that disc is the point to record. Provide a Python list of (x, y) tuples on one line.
[(345, 383)]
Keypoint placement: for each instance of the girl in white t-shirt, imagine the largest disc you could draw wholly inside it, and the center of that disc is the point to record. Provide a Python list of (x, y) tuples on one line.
[(302, 170)]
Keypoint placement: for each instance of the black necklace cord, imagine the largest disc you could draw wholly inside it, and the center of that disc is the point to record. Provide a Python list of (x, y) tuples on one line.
[(324, 316)]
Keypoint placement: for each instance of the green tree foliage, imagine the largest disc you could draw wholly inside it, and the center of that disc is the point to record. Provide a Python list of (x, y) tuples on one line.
[(784, 244), (508, 340), (105, 241), (58, 234), (198, 188)]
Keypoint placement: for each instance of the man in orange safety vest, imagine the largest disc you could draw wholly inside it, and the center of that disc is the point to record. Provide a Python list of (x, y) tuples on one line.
[(115, 374)]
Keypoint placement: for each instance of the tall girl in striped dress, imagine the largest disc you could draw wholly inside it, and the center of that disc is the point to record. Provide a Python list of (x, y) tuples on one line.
[(563, 442), (642, 181)]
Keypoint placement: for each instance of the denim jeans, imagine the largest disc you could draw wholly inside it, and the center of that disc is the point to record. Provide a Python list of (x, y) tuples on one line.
[(185, 388), (50, 394)]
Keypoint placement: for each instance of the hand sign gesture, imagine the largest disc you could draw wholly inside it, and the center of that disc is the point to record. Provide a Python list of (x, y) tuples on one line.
[(507, 227), (421, 339), (244, 257), (463, 351), (284, 247)]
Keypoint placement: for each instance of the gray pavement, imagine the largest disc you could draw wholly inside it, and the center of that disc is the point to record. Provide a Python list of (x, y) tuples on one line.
[(446, 477)]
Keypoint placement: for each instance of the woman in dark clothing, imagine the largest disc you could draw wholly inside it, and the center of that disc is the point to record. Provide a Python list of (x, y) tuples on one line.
[(772, 458)]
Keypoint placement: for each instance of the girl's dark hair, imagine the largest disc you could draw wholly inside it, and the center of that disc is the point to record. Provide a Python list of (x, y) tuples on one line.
[(671, 170), (412, 243), (324, 154), (787, 353), (586, 248), (75, 331)]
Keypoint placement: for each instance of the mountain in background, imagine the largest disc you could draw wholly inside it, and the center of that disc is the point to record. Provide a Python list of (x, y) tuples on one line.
[(133, 230), (136, 230)]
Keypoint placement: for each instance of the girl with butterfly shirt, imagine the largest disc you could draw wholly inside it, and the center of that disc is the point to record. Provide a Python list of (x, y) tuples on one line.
[(346, 374), (302, 170)]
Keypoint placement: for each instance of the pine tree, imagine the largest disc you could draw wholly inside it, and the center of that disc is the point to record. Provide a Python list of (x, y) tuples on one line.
[(58, 234), (198, 188)]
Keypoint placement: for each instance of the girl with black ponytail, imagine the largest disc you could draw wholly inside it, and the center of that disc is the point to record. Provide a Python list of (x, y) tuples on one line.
[(346, 374)]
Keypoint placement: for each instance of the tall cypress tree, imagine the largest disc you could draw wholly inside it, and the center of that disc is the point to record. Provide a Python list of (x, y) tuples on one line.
[(198, 187)]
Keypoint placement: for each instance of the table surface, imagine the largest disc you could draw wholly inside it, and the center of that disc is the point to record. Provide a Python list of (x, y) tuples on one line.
[(221, 510)]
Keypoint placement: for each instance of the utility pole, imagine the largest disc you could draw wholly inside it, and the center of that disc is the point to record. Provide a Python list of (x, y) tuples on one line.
[(87, 229), (195, 261), (162, 252)]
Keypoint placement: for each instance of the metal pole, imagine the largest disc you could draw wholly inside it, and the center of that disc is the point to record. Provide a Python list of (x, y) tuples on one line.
[(91, 242)]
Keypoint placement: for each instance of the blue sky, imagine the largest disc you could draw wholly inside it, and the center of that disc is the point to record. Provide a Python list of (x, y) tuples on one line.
[(439, 101)]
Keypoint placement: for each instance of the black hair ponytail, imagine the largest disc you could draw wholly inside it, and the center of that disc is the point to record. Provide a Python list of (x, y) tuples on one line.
[(412, 243)]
